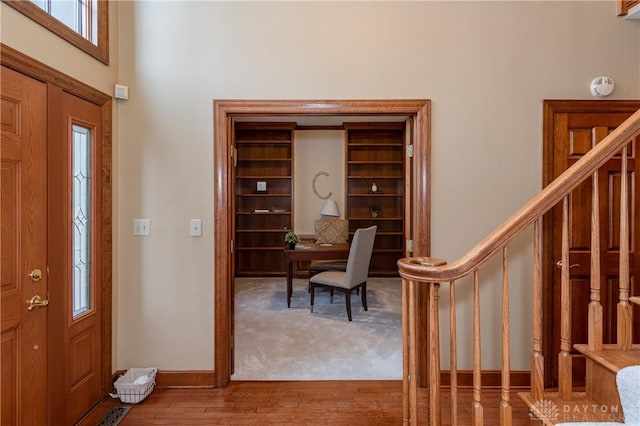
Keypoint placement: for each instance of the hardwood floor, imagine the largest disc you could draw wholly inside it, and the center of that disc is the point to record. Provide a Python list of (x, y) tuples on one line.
[(295, 403)]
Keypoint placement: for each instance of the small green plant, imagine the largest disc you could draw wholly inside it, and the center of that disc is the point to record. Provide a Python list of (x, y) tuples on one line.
[(291, 238), (375, 210)]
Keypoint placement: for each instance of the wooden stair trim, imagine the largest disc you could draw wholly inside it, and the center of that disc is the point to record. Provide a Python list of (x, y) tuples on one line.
[(579, 409), (611, 357)]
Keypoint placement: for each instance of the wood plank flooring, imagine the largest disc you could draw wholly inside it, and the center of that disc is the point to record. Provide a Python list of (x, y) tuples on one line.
[(296, 403)]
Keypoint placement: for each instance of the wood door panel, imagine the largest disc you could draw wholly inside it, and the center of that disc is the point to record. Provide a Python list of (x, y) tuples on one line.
[(613, 209), (580, 142), (9, 118), (579, 308), (10, 353), (24, 241), (587, 121), (84, 378), (81, 365), (9, 227), (579, 224), (572, 131)]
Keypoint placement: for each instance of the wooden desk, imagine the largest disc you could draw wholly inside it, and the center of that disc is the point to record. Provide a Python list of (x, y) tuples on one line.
[(314, 252)]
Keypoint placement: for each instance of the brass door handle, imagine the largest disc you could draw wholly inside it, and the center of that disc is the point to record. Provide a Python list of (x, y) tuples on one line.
[(37, 302), (559, 265), (35, 275)]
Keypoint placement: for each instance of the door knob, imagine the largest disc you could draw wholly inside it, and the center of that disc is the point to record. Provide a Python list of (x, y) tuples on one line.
[(35, 275), (37, 302), (559, 265)]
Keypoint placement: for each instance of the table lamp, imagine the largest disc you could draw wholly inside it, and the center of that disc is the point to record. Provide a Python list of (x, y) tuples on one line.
[(330, 208)]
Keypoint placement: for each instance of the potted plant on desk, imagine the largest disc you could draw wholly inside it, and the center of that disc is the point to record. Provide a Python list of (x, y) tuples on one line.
[(291, 238)]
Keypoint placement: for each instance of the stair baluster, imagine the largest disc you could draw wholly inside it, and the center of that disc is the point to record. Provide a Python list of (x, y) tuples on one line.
[(624, 308), (505, 405), (537, 358), (595, 307), (434, 355), (564, 357), (477, 416), (454, 354)]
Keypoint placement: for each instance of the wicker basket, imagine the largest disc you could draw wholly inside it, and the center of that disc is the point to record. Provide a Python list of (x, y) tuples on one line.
[(135, 385)]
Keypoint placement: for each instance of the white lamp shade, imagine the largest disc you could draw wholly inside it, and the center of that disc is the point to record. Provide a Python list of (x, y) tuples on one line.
[(330, 208)]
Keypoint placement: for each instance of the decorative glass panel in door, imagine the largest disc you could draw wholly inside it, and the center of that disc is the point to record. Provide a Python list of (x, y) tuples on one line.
[(81, 217)]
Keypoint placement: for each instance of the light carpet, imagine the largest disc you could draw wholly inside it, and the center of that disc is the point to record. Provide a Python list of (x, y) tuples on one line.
[(276, 343)]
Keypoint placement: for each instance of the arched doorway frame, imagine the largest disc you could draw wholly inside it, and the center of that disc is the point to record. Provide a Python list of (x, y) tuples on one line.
[(225, 111)]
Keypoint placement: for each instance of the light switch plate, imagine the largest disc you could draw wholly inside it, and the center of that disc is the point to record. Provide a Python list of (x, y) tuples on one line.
[(196, 228), (141, 227)]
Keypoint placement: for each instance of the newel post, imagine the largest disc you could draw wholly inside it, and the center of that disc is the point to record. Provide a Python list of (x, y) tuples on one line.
[(410, 281)]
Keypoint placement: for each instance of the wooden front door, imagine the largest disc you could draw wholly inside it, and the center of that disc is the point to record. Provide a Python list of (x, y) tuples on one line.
[(572, 128), (51, 243), (23, 239)]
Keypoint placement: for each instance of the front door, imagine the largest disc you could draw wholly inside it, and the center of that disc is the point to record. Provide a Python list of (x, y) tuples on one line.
[(51, 216), (24, 288), (574, 127)]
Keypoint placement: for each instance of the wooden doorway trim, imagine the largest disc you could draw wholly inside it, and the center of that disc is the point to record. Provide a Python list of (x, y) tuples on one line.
[(26, 65), (553, 108), (224, 113)]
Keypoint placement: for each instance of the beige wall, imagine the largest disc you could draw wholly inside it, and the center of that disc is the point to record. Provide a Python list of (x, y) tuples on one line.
[(486, 66), (315, 151)]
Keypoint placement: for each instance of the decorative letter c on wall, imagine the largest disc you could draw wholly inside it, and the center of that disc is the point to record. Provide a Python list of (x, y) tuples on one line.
[(313, 185)]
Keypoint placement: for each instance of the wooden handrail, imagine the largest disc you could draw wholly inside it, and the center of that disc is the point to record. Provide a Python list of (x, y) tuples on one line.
[(421, 269), (431, 272)]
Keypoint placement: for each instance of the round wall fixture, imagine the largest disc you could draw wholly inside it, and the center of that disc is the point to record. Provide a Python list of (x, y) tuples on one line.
[(602, 86)]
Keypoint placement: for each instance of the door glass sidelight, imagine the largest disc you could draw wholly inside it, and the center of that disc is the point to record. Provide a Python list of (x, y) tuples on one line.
[(81, 219)]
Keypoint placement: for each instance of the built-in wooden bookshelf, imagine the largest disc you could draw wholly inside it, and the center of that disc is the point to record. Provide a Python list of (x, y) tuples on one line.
[(263, 196), (375, 153)]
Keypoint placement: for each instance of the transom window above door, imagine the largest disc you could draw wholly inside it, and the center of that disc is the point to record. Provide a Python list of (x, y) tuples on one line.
[(82, 23)]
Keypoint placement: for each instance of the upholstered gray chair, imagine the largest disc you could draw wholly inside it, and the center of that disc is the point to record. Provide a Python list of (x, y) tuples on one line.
[(318, 266), (357, 271)]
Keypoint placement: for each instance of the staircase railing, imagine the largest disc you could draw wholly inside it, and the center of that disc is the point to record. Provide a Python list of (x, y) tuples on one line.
[(431, 272)]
